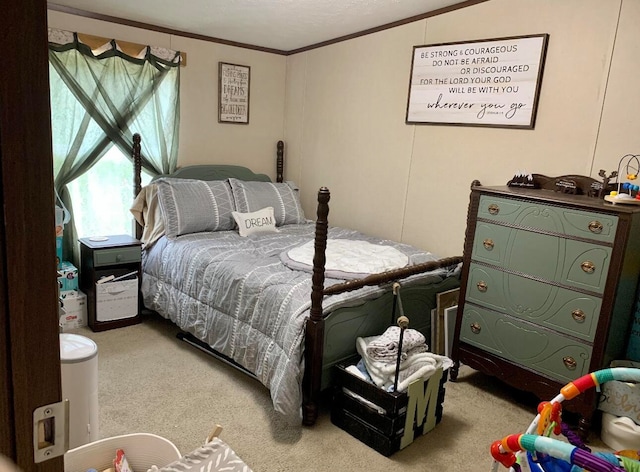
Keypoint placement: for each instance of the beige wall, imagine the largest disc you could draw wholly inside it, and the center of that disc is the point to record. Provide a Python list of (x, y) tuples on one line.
[(346, 109), (341, 111), (618, 134), (202, 138)]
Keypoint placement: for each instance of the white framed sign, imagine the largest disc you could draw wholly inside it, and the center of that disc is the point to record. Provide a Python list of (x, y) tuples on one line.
[(493, 82), (233, 93)]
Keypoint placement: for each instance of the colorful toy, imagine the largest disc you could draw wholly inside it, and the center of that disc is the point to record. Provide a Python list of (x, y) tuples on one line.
[(535, 451), (626, 192)]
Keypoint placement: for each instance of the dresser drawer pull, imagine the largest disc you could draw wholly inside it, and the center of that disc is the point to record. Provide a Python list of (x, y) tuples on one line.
[(488, 244), (494, 209), (570, 362), (475, 327), (595, 227), (482, 286), (588, 266), (578, 315)]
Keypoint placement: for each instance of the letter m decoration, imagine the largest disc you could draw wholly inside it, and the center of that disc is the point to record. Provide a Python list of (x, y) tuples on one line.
[(421, 407)]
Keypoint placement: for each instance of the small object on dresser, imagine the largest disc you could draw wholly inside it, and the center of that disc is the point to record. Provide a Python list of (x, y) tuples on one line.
[(625, 192), (605, 181), (522, 179), (568, 186)]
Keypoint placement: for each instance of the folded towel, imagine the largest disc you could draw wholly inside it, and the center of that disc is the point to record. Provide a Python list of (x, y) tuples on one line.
[(385, 347), (354, 370), (417, 364), (364, 401), (363, 370)]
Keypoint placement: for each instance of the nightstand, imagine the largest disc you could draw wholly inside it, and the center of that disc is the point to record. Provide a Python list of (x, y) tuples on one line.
[(110, 272)]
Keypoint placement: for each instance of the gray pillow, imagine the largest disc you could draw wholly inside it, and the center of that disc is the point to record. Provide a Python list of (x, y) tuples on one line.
[(252, 196), (193, 206)]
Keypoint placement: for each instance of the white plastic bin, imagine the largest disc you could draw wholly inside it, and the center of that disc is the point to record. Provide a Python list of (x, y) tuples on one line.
[(117, 300), (619, 432), (142, 450), (79, 369)]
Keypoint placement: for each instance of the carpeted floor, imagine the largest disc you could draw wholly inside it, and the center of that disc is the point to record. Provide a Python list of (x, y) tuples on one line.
[(152, 382)]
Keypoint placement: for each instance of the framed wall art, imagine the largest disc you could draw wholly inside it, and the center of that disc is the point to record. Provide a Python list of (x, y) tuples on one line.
[(233, 93), (494, 82)]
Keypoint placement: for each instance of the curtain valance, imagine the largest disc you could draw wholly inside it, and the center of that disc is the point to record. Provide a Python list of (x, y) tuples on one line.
[(60, 40)]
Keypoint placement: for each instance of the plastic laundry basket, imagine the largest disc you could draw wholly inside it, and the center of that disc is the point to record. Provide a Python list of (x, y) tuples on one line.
[(143, 450)]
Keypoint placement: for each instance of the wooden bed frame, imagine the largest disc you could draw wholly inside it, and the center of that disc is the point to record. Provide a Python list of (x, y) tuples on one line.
[(318, 369)]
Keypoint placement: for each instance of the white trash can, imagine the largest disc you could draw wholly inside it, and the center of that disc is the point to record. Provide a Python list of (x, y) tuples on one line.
[(79, 368)]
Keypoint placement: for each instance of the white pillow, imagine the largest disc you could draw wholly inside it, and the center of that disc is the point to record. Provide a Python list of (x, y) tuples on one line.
[(261, 221)]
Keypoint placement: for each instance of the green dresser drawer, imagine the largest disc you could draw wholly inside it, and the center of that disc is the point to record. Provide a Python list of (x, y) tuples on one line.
[(118, 255), (569, 262), (544, 304), (548, 353), (571, 222)]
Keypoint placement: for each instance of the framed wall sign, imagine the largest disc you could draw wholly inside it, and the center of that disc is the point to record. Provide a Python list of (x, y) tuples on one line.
[(233, 93), (493, 82)]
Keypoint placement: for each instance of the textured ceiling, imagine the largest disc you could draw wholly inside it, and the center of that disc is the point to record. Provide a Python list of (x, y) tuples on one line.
[(283, 25)]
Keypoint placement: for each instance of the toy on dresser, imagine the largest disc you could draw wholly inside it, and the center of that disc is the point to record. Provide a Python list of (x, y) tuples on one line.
[(627, 192)]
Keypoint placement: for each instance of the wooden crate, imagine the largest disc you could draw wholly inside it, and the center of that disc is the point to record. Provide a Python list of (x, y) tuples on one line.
[(406, 414)]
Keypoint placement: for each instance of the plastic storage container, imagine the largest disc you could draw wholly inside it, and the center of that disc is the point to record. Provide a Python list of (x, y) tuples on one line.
[(619, 432)]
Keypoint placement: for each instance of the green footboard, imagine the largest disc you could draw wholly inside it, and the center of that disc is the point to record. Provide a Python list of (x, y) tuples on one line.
[(373, 317)]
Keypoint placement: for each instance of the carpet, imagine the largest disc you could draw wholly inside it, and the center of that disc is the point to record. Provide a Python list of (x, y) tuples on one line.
[(149, 381)]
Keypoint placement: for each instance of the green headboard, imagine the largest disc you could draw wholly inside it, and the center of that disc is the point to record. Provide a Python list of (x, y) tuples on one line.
[(216, 172)]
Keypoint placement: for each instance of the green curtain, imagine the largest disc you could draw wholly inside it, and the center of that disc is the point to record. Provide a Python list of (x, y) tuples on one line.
[(101, 100)]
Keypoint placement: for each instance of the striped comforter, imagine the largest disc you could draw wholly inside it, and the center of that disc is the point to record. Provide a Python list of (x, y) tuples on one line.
[(236, 295)]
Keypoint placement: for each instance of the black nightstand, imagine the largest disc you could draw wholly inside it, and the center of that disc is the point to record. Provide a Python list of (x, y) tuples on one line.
[(110, 272)]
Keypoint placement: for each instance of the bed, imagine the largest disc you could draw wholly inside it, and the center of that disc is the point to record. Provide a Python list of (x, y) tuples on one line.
[(273, 302)]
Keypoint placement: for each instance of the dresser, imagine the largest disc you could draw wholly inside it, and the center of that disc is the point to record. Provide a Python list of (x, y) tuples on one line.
[(547, 290)]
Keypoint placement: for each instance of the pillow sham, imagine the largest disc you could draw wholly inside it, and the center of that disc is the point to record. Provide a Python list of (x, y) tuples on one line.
[(193, 206), (283, 197), (261, 221)]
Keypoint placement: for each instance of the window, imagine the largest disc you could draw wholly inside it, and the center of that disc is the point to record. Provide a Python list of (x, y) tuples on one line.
[(99, 99), (103, 195)]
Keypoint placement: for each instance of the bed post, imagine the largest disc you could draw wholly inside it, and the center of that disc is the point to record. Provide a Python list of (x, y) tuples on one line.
[(137, 175), (280, 162), (314, 330)]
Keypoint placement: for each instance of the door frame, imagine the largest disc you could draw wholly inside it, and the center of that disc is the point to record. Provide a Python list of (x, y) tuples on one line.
[(29, 341)]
